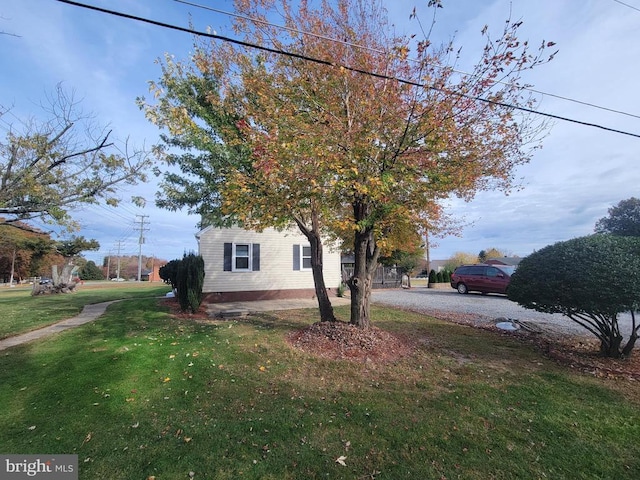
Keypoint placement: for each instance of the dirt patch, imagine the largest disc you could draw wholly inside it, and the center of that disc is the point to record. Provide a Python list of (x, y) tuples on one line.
[(582, 354), (340, 340)]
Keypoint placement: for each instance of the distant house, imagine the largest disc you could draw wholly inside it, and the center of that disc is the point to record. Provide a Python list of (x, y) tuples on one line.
[(245, 265), (152, 275), (513, 261)]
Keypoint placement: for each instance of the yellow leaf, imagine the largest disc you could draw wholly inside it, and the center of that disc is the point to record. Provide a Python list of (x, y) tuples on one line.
[(167, 379)]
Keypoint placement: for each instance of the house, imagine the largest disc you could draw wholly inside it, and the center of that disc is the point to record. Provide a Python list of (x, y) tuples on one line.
[(151, 275), (513, 261), (245, 265)]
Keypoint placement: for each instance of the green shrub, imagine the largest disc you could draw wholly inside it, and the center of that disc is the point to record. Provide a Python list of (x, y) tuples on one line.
[(432, 276), (190, 280), (575, 278), (439, 277), (169, 273), (446, 275)]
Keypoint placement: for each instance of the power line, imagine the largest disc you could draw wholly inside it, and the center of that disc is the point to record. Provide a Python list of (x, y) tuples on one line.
[(346, 67), (627, 5), (375, 50)]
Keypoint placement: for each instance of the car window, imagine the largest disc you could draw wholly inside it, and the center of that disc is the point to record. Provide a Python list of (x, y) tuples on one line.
[(493, 272), (477, 270), (508, 269)]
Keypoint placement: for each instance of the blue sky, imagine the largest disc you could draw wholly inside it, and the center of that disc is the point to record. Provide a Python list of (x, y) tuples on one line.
[(570, 183)]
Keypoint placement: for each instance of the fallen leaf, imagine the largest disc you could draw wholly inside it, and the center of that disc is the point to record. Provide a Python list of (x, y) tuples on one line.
[(341, 460), (262, 368), (129, 399), (167, 379), (32, 427), (172, 356), (87, 438), (187, 439), (135, 425)]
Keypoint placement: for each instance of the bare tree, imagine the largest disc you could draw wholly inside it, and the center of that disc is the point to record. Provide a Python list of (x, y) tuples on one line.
[(49, 167)]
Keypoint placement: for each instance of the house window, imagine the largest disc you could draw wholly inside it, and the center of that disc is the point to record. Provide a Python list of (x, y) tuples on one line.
[(306, 258), (301, 257), (241, 257)]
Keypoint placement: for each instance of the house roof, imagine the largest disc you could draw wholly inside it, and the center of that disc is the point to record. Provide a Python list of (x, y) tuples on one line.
[(504, 261)]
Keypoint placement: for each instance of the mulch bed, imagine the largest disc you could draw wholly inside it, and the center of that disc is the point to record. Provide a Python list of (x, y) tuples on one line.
[(343, 341)]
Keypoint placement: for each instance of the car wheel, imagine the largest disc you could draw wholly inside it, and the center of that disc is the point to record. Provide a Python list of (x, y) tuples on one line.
[(462, 288)]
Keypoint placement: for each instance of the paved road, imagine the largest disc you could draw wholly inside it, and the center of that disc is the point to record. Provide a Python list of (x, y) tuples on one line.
[(487, 308)]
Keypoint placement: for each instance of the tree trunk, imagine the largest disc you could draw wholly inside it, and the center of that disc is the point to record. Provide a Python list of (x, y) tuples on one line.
[(317, 268), (626, 351), (324, 303), (13, 265), (360, 284), (610, 347)]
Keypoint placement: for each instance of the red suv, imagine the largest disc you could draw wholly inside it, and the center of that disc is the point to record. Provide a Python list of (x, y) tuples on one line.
[(482, 278)]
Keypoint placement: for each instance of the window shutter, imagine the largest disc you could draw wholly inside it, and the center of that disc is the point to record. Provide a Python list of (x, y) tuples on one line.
[(227, 257), (296, 257), (256, 257)]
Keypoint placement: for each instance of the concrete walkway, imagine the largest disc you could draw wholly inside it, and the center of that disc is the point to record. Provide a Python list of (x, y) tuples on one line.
[(89, 314), (232, 309)]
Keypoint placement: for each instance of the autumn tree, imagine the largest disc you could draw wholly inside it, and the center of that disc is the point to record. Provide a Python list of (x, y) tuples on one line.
[(623, 219), (49, 167), (357, 138), (492, 252), (23, 250)]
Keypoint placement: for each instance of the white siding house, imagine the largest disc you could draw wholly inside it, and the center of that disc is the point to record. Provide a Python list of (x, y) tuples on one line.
[(247, 265)]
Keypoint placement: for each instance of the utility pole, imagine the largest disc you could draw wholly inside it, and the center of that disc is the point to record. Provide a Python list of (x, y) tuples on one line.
[(118, 269), (142, 223), (109, 266)]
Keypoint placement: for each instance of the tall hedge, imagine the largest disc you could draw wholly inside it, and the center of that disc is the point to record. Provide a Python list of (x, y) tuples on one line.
[(432, 276), (589, 280), (189, 282), (169, 273)]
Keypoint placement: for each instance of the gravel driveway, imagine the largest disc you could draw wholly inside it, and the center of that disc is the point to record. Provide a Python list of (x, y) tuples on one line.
[(484, 309)]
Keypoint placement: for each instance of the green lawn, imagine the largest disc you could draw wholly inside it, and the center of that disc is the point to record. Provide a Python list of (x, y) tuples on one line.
[(20, 312), (139, 394)]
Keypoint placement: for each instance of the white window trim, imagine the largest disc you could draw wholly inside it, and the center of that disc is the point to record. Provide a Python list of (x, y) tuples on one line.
[(234, 257), (302, 257)]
